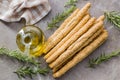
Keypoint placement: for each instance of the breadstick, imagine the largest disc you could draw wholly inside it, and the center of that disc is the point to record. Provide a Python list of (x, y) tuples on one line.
[(82, 54), (93, 37), (62, 26), (101, 18), (56, 68), (86, 43), (71, 40), (68, 28), (77, 45), (81, 23)]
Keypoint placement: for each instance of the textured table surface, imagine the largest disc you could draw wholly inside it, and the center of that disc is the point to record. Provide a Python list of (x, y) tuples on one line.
[(106, 71)]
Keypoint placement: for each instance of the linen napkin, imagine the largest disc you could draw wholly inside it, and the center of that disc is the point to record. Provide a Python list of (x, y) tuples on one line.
[(31, 10)]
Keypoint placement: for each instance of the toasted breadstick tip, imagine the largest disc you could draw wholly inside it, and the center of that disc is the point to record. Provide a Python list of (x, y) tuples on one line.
[(101, 18)]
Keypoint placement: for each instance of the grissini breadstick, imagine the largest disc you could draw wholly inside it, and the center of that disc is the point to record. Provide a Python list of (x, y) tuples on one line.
[(81, 23), (101, 18), (77, 45), (56, 68), (82, 54), (63, 24), (93, 37), (86, 43), (68, 27), (71, 40)]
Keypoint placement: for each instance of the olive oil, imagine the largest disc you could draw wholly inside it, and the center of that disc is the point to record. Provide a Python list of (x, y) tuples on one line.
[(30, 40)]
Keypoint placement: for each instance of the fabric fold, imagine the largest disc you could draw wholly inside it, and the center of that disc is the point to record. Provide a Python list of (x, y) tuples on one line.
[(31, 10)]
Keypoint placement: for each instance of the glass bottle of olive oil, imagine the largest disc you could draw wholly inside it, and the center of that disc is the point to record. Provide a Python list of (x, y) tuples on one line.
[(30, 40)]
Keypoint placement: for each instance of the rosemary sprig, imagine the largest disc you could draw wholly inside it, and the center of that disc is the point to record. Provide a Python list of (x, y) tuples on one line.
[(103, 57), (71, 3), (60, 17), (18, 55), (113, 17), (27, 70), (30, 71)]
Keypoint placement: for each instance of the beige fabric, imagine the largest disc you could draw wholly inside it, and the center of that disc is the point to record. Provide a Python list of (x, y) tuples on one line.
[(31, 10)]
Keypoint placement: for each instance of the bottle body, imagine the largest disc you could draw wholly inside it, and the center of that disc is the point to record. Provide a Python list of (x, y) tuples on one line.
[(30, 40)]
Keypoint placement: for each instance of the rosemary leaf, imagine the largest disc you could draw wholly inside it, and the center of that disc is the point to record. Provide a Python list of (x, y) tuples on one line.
[(60, 17), (18, 55), (113, 17), (27, 71), (71, 3), (103, 57)]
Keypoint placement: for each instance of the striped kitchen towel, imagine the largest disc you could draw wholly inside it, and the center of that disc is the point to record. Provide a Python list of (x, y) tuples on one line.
[(31, 10)]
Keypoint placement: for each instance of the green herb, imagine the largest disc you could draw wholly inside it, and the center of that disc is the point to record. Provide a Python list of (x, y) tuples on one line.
[(71, 3), (103, 57), (113, 17), (60, 17), (27, 70), (30, 71), (18, 55)]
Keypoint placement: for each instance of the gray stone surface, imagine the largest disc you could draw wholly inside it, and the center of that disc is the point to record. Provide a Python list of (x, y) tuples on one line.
[(106, 71)]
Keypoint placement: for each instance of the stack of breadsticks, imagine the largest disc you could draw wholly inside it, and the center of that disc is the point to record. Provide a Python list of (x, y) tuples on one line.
[(77, 37)]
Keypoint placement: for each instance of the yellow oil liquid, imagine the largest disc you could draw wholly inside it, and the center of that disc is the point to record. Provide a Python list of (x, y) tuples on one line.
[(30, 40)]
